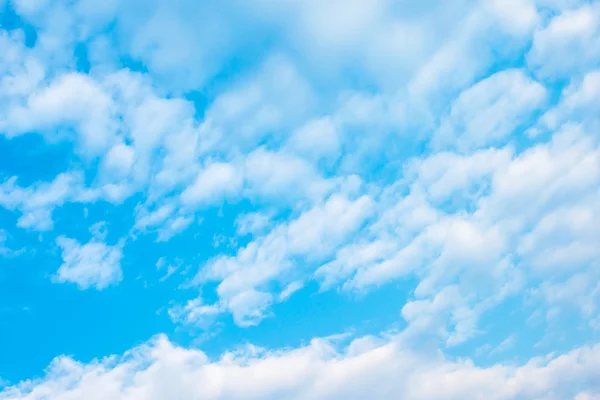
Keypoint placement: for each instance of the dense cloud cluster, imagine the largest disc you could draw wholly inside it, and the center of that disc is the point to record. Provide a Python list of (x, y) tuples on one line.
[(454, 145), (367, 368)]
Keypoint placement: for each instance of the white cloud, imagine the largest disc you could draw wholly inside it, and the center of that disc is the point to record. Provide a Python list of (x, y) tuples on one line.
[(215, 183), (504, 346), (148, 144), (20, 73), (356, 22), (409, 229), (315, 140), (517, 17), (148, 219), (252, 223), (277, 175), (159, 38), (150, 135), (171, 267), (490, 110), (61, 26), (290, 289), (466, 50), (37, 219), (265, 104), (367, 368), (568, 45), (469, 226), (99, 230), (119, 160), (249, 307), (351, 258), (542, 178), (91, 265), (316, 232), (195, 312), (150, 118), (161, 132), (173, 227), (579, 103), (37, 201), (262, 261), (448, 176), (580, 294), (271, 258), (564, 239), (72, 100)]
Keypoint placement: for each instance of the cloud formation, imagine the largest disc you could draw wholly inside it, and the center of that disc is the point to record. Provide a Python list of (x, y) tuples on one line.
[(368, 367), (90, 265), (258, 158)]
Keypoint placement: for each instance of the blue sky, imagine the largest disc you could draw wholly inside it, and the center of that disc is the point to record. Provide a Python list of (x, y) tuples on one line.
[(309, 199)]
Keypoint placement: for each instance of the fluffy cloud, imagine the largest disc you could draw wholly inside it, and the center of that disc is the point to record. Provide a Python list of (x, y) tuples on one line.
[(151, 142), (90, 265), (579, 103), (319, 230), (367, 368), (36, 202), (275, 106), (317, 139), (474, 229), (279, 175), (73, 101), (271, 259), (213, 184), (490, 110), (568, 44)]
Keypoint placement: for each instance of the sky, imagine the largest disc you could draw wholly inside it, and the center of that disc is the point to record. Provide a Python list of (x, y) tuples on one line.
[(299, 199)]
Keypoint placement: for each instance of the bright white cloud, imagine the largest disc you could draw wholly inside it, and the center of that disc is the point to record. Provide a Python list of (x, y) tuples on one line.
[(316, 232), (273, 106), (90, 265), (367, 368), (269, 259), (467, 220), (73, 100)]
